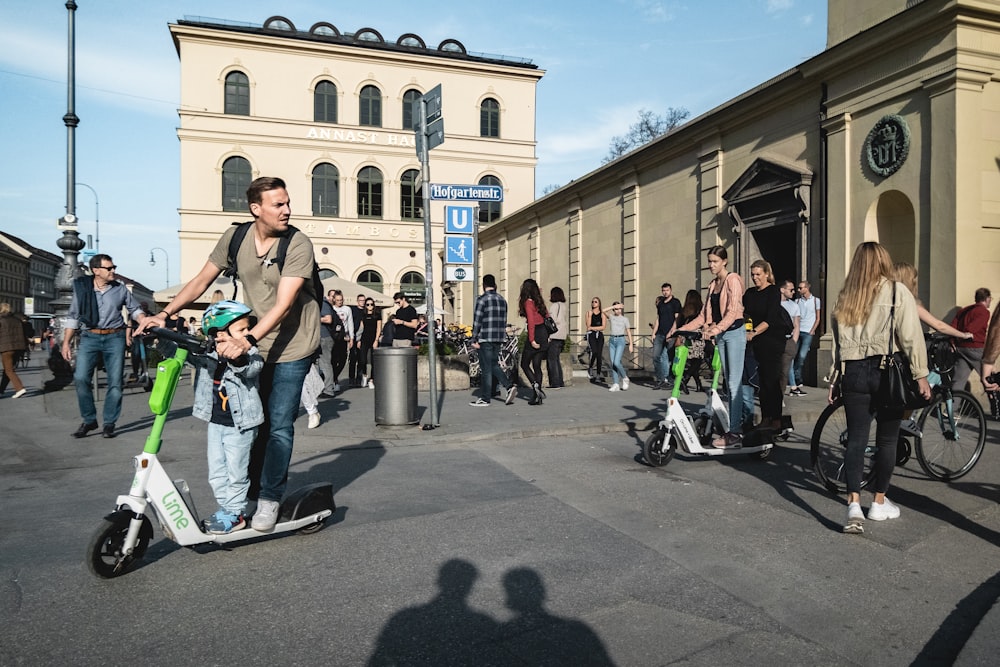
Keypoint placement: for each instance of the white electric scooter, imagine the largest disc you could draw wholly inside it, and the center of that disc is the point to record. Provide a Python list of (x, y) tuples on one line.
[(123, 536), (694, 433)]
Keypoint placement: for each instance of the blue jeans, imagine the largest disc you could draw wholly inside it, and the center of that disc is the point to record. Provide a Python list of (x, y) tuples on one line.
[(228, 460), (795, 370), (489, 370), (746, 404), (92, 347), (661, 357), (280, 391), (732, 346), (616, 347)]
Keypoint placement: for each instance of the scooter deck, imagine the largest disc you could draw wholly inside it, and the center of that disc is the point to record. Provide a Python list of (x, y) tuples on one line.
[(249, 533)]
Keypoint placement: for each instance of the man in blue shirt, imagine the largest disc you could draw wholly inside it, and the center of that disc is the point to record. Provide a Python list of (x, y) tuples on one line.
[(489, 328), (96, 309)]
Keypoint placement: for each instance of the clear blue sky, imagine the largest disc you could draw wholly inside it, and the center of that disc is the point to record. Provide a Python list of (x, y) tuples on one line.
[(604, 61)]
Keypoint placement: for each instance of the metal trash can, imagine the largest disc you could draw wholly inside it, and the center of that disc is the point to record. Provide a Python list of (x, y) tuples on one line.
[(395, 385)]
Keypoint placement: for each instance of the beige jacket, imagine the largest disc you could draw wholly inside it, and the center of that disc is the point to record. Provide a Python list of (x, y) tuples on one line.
[(871, 338)]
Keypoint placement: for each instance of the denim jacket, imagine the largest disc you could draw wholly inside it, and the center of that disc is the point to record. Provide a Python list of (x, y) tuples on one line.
[(241, 387)]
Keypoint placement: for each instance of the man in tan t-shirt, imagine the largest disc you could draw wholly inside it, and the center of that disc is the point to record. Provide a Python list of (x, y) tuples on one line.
[(286, 331)]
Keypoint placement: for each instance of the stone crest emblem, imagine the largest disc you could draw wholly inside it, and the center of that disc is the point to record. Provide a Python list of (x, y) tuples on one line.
[(887, 145)]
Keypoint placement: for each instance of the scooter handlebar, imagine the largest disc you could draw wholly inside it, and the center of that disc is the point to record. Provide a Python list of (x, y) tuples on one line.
[(690, 335), (192, 344)]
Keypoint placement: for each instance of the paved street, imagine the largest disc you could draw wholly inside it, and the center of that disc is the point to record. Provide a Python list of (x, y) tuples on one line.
[(511, 536)]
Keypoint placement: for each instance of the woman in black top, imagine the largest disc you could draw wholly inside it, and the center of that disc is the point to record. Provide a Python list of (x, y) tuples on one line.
[(595, 322), (371, 332), (762, 306), (699, 349)]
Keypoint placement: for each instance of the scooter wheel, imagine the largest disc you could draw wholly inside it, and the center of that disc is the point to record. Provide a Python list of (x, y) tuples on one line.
[(104, 553), (312, 528), (659, 448), (703, 429), (903, 451)]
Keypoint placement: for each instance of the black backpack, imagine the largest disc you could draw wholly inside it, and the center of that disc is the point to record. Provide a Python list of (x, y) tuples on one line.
[(237, 240)]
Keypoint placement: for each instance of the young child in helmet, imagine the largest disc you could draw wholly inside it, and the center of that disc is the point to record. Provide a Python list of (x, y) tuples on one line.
[(226, 397)]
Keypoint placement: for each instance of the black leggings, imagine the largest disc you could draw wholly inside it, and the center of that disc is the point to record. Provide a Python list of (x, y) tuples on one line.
[(365, 360), (531, 362), (596, 341), (859, 386)]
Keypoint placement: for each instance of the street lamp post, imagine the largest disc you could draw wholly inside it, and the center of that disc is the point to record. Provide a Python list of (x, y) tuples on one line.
[(97, 218), (152, 261), (70, 242)]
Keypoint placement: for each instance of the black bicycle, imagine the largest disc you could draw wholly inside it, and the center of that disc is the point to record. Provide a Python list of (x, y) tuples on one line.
[(948, 436)]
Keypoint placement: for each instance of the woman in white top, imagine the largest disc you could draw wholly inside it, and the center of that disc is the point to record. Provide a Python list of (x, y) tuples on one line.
[(560, 315), (620, 331)]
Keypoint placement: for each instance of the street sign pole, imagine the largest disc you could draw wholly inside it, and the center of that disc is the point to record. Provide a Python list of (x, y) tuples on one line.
[(475, 253), (428, 255)]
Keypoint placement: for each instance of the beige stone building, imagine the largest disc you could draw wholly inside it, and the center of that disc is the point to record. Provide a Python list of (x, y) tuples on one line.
[(891, 134), (332, 113)]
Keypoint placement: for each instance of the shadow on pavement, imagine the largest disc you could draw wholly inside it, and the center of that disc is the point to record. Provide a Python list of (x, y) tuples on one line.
[(945, 645), (447, 631)]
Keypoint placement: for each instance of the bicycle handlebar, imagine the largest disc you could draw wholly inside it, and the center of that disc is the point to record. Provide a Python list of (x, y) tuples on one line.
[(690, 335)]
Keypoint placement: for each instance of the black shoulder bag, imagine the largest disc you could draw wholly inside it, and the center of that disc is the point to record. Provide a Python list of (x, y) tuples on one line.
[(897, 388)]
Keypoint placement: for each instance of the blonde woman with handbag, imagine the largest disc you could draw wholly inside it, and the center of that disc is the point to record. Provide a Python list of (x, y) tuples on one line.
[(868, 302)]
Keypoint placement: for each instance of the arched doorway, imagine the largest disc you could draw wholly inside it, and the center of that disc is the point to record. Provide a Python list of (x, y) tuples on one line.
[(890, 221)]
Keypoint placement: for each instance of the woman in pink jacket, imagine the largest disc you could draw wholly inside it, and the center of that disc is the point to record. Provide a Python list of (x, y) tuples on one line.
[(721, 318)]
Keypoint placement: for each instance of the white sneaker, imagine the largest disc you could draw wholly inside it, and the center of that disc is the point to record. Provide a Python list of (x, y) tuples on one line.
[(615, 387), (313, 420), (371, 384), (886, 510), (625, 384), (266, 515), (855, 519), (336, 387), (19, 393)]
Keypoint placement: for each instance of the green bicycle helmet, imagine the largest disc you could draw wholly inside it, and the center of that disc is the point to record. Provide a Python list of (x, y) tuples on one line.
[(221, 314)]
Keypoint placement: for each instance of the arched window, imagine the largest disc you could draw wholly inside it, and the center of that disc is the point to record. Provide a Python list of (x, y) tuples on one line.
[(370, 193), (489, 118), (371, 280), (326, 190), (237, 94), (489, 211), (411, 198), (327, 273), (325, 102), (371, 107), (412, 285), (236, 177), (411, 109)]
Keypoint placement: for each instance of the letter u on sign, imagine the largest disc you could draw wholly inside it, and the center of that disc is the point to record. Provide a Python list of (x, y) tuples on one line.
[(458, 219)]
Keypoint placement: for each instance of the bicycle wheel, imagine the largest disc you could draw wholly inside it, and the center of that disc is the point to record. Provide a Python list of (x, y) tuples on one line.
[(828, 446), (952, 440)]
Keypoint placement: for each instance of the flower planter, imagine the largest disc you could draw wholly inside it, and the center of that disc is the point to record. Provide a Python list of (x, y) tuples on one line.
[(452, 373)]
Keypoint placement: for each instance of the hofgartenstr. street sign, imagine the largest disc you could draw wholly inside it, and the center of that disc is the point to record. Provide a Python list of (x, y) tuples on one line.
[(491, 193)]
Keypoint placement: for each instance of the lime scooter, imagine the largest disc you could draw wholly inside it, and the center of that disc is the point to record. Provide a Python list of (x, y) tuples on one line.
[(123, 536), (694, 433)]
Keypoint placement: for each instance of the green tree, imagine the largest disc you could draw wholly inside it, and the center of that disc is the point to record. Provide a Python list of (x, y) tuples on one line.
[(647, 127)]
